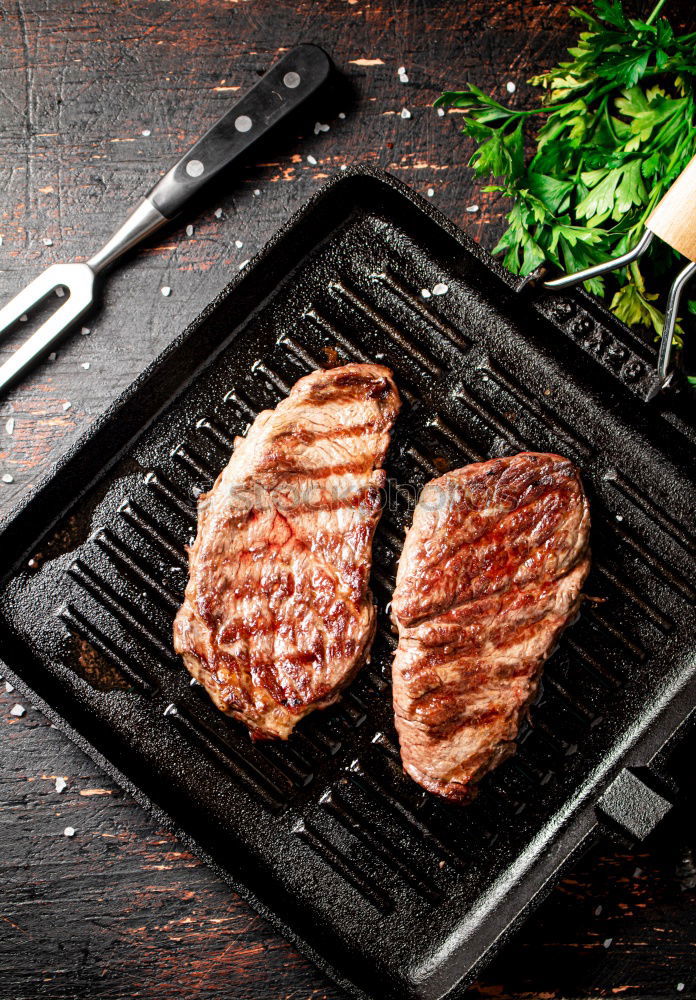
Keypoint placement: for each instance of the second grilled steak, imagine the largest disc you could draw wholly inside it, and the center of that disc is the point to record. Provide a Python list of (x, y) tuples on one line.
[(490, 575), (278, 617)]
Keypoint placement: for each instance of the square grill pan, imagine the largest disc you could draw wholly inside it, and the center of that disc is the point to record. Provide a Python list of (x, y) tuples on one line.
[(392, 893)]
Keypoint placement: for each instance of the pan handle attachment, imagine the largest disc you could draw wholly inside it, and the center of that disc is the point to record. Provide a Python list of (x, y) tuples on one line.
[(674, 217), (287, 85)]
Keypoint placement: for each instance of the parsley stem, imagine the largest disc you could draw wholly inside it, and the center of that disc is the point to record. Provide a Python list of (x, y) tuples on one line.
[(656, 10)]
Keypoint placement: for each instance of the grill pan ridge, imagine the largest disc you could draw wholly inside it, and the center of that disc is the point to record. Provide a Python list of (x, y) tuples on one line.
[(389, 891)]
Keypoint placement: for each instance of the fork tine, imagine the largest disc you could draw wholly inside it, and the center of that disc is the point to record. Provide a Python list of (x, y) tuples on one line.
[(43, 338), (25, 300)]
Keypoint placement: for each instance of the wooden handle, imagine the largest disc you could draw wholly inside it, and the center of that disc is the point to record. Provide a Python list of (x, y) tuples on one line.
[(674, 217)]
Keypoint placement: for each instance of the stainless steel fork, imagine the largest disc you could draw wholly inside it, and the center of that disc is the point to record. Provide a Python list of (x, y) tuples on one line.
[(293, 79)]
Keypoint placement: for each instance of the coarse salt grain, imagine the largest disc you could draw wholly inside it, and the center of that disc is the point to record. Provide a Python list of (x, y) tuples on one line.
[(85, 331), (8, 687), (619, 517), (238, 244), (243, 264), (218, 213), (440, 112), (166, 291), (405, 113), (344, 166), (24, 318), (426, 293), (48, 242), (189, 230), (638, 872), (256, 192), (146, 132), (18, 711), (510, 87), (430, 192), (61, 783), (341, 114), (60, 292), (607, 942), (598, 910), (66, 406), (312, 160), (680, 987), (0, 241), (9, 426), (320, 127), (85, 365), (7, 478), (69, 831), (401, 70), (52, 356), (440, 288), (472, 208)]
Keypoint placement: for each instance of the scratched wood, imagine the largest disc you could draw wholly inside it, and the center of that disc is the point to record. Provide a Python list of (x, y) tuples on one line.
[(96, 99)]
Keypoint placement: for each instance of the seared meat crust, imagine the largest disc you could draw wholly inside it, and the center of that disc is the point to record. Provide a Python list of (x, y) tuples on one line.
[(490, 575), (277, 617)]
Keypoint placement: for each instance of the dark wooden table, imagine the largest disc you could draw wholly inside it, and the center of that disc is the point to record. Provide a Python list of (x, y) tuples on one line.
[(95, 99)]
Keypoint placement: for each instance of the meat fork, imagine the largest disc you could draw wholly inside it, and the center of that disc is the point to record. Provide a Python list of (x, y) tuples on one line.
[(291, 81), (674, 221)]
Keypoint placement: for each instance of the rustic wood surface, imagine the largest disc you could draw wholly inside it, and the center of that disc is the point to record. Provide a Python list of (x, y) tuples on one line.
[(96, 98)]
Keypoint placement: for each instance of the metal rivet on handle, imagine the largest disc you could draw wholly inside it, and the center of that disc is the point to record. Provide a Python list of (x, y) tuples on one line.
[(243, 123), (194, 168), (292, 80)]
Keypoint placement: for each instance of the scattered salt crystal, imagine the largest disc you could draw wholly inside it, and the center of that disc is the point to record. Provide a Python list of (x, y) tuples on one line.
[(166, 291), (60, 292), (312, 160), (341, 114), (7, 478), (257, 192), (9, 426), (598, 910), (320, 127), (218, 213), (607, 942), (18, 711), (85, 365), (405, 113), (52, 356), (8, 687), (146, 132), (638, 872), (472, 208), (48, 242), (0, 241), (170, 709), (510, 87), (69, 831), (401, 70), (189, 230), (238, 244), (66, 406), (440, 288), (61, 783), (85, 331), (32, 563), (243, 264), (430, 192), (24, 318), (680, 987), (402, 74), (619, 517), (344, 166), (426, 293), (440, 112)]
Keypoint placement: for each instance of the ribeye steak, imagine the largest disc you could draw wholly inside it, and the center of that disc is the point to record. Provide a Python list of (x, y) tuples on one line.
[(490, 575), (277, 617)]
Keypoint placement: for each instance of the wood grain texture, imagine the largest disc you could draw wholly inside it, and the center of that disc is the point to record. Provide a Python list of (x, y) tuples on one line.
[(96, 99)]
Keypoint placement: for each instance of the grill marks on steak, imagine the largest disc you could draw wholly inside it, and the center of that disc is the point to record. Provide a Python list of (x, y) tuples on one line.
[(490, 575), (277, 617)]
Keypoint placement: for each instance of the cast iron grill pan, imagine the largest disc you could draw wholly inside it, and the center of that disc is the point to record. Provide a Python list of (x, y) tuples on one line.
[(391, 892)]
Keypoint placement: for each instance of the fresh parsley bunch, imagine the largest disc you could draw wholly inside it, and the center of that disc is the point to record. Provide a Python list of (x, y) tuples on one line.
[(617, 128)]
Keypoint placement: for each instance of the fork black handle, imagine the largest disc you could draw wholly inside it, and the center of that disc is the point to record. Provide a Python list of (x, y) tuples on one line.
[(281, 91)]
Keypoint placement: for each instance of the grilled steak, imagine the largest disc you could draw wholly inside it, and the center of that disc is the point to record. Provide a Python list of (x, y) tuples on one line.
[(490, 575), (277, 617)]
